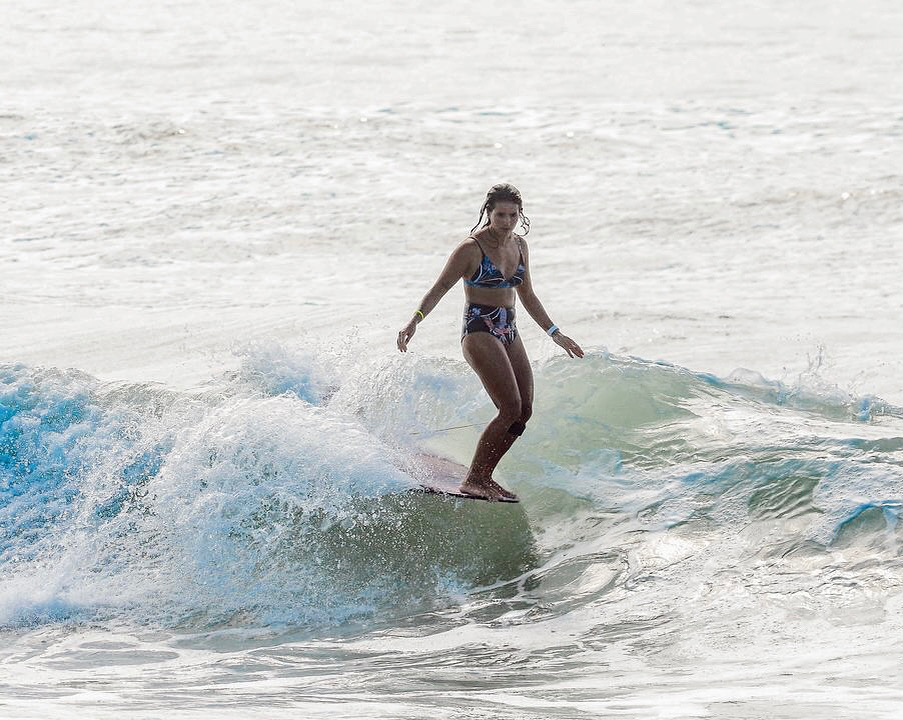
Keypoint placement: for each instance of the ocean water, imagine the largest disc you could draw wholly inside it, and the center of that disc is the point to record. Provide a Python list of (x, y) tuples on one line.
[(217, 216)]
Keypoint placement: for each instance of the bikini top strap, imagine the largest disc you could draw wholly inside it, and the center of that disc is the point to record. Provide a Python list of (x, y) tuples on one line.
[(520, 247)]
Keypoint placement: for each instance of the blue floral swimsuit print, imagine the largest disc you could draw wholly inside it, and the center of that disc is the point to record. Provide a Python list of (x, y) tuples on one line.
[(497, 321)]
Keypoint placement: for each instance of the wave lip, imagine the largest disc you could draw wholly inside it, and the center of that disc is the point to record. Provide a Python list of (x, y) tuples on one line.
[(197, 510)]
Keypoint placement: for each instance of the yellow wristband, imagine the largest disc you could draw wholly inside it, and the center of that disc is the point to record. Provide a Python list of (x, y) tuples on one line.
[(422, 316)]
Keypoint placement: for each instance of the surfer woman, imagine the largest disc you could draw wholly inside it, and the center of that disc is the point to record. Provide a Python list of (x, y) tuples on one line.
[(494, 262)]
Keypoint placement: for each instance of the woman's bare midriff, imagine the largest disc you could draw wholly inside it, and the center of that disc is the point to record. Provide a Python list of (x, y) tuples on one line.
[(490, 296)]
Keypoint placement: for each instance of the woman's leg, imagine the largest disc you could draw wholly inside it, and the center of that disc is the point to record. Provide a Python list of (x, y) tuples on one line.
[(489, 358), (523, 375)]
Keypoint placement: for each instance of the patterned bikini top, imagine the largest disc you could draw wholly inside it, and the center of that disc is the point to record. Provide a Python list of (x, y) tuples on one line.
[(487, 275)]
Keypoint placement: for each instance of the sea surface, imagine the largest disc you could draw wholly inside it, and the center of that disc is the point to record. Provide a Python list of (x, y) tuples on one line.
[(215, 218)]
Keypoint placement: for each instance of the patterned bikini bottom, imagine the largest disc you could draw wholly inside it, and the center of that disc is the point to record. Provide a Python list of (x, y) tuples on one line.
[(497, 321)]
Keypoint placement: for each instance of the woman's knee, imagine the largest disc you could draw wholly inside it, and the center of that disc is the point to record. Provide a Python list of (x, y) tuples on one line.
[(510, 411), (518, 426)]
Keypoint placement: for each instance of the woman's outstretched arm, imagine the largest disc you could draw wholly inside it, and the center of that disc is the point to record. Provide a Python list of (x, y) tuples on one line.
[(455, 268), (534, 307)]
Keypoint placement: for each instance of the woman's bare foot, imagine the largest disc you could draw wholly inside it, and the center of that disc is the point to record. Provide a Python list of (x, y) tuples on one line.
[(488, 489), (506, 493)]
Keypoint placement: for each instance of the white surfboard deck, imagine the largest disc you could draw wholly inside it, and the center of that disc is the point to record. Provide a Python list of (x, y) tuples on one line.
[(443, 477)]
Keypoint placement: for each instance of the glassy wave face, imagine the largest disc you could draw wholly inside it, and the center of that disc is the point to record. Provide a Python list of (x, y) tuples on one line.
[(277, 495)]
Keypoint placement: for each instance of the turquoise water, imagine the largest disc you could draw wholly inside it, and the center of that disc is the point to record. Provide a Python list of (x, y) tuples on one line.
[(257, 537)]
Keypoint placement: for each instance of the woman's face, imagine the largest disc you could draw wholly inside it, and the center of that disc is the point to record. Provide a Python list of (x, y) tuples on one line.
[(503, 218)]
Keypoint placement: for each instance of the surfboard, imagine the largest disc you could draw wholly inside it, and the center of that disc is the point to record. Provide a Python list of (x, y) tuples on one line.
[(441, 476)]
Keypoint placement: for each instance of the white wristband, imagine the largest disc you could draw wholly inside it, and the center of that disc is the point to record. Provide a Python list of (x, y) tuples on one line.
[(552, 330)]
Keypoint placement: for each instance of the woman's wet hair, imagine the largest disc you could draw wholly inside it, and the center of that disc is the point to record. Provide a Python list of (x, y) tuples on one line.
[(503, 192)]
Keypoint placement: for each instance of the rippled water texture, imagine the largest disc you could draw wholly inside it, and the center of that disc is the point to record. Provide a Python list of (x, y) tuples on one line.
[(711, 185)]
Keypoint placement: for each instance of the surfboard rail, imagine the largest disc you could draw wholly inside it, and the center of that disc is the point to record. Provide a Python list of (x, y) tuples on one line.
[(441, 476)]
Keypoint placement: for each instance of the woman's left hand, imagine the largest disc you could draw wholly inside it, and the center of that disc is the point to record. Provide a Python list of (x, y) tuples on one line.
[(572, 348)]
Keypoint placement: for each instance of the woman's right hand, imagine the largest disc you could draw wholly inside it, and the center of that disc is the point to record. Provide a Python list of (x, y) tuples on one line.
[(405, 335)]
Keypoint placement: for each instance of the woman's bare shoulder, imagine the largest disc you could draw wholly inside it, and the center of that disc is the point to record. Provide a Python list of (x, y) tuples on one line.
[(468, 246)]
